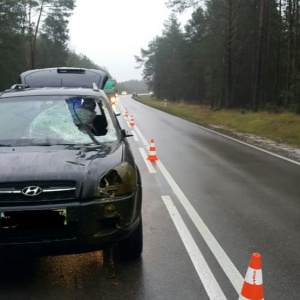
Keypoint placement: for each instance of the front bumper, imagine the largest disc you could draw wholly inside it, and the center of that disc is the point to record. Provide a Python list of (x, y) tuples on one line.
[(70, 228)]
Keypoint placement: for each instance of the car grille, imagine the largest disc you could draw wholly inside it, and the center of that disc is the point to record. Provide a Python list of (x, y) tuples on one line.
[(50, 192)]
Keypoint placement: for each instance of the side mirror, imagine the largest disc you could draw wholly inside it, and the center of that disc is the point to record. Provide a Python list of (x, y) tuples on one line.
[(117, 113), (125, 133)]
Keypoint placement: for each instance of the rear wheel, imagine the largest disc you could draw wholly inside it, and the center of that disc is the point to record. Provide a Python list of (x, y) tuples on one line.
[(132, 247)]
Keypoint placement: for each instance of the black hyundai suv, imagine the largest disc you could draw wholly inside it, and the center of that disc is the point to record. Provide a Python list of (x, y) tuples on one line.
[(68, 179)]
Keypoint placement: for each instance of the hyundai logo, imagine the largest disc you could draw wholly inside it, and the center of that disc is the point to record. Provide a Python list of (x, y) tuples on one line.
[(31, 191)]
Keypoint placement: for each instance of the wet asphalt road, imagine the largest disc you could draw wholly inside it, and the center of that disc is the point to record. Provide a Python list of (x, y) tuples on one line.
[(230, 201)]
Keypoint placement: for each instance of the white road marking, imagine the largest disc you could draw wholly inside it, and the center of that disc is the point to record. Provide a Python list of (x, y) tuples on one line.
[(134, 135), (147, 162), (141, 137), (206, 276), (226, 264), (249, 145), (246, 144)]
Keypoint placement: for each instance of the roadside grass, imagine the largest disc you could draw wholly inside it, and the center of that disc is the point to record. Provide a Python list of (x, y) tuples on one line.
[(280, 127)]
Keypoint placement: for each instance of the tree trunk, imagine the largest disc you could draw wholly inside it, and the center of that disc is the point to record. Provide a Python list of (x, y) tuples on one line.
[(228, 59), (258, 75), (275, 94), (33, 43), (289, 47)]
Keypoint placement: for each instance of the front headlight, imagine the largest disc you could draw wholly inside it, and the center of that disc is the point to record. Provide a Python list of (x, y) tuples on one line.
[(118, 182), (113, 100)]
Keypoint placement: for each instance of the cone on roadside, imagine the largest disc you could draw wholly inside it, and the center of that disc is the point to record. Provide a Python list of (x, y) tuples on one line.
[(253, 284), (131, 123), (126, 114), (152, 151)]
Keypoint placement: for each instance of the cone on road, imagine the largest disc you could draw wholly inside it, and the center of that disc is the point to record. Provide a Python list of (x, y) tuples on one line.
[(152, 151), (253, 284), (126, 114), (131, 123)]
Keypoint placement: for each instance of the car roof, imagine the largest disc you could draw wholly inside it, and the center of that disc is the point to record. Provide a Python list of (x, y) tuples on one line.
[(23, 91), (64, 76)]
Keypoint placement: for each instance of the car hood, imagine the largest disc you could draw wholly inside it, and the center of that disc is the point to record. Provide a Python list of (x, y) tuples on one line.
[(57, 163)]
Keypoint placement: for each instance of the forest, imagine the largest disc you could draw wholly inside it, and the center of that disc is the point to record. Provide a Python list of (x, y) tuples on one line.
[(34, 34), (230, 54)]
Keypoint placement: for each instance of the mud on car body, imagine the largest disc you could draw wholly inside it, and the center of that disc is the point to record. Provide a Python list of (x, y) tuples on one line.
[(68, 179)]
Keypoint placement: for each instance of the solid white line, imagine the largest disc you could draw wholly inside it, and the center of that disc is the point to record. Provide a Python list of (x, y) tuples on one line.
[(249, 145), (246, 144), (141, 137), (206, 276), (122, 108), (134, 135), (147, 162), (226, 264)]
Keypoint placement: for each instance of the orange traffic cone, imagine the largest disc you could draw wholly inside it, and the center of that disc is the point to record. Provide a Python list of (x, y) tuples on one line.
[(152, 151), (253, 284), (126, 114), (131, 123)]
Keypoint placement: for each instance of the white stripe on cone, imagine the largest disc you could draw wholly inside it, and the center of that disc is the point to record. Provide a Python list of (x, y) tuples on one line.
[(254, 276)]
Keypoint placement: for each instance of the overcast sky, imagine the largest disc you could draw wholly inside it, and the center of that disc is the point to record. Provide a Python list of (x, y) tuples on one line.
[(111, 32)]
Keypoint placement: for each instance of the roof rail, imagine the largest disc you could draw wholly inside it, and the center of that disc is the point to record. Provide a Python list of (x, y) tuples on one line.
[(15, 87), (19, 86), (95, 87)]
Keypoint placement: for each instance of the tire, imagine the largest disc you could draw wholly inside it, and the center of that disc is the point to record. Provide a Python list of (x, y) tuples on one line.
[(132, 247)]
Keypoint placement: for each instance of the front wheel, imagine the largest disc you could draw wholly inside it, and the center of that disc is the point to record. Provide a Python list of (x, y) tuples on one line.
[(132, 247)]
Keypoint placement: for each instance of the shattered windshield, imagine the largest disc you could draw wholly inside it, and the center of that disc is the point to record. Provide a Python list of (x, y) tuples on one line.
[(53, 120)]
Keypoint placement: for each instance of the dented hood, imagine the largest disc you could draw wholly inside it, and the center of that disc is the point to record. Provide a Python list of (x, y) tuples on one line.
[(57, 162)]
